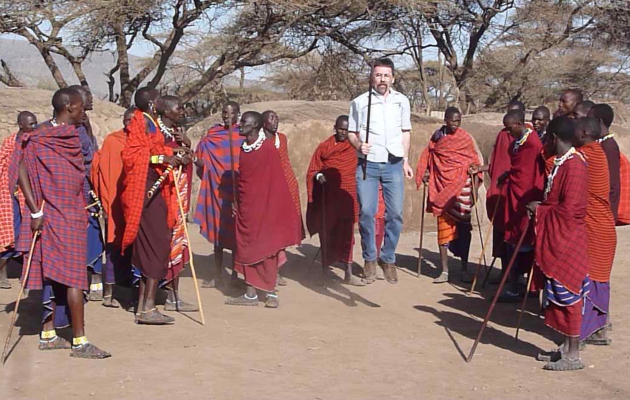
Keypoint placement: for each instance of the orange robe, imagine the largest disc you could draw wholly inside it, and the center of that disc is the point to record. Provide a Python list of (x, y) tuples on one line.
[(107, 169)]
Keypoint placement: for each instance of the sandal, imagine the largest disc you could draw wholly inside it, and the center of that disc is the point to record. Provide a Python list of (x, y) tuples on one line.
[(443, 278), (272, 301), (212, 283), (550, 356), (280, 281), (242, 301), (88, 350), (564, 364), (153, 317), (56, 343), (179, 305), (111, 303), (353, 280), (5, 284)]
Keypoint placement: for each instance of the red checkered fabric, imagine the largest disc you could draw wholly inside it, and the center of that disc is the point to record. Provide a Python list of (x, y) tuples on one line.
[(53, 159), (143, 141), (6, 201), (290, 177), (623, 214), (561, 235), (447, 157)]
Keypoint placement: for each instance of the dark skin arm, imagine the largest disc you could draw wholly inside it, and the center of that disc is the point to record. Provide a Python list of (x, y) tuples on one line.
[(25, 186), (181, 137)]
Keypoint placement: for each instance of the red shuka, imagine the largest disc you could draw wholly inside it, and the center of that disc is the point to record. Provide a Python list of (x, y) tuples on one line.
[(600, 222), (561, 235), (499, 163), (525, 184), (447, 160), (290, 177), (338, 162), (143, 141), (266, 217)]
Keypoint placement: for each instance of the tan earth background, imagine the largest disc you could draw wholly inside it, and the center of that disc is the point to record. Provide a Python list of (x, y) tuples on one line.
[(326, 341)]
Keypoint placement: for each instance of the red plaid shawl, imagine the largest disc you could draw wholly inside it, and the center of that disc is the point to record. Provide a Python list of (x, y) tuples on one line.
[(561, 236), (53, 159), (266, 218), (214, 204), (499, 163), (525, 184), (338, 162), (600, 222), (290, 177), (6, 200), (447, 160), (143, 141)]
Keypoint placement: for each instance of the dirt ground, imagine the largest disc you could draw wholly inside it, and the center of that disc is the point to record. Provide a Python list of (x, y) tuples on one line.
[(381, 341)]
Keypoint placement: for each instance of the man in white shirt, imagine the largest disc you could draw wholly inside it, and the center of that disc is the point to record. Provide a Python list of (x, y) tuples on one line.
[(385, 156)]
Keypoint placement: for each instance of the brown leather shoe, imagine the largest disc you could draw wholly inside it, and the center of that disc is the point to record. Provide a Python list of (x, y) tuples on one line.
[(391, 275), (369, 271)]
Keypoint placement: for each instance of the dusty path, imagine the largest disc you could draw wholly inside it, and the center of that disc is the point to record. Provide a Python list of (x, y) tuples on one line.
[(380, 341)]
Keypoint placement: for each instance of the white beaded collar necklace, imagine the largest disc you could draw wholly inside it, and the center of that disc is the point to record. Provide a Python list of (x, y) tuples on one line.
[(168, 132), (256, 145)]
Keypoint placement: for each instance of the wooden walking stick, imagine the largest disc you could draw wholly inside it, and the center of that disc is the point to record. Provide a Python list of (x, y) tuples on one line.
[(485, 279), (483, 248), (234, 192), (529, 285), (20, 293), (496, 296), (190, 253), (422, 205), (367, 128)]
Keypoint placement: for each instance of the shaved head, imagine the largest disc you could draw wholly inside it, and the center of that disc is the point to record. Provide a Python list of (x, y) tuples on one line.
[(569, 99), (604, 113), (582, 108), (341, 119), (254, 117), (145, 98), (24, 115), (590, 128), (65, 97), (165, 103), (86, 95), (27, 121), (514, 117), (234, 106), (516, 105)]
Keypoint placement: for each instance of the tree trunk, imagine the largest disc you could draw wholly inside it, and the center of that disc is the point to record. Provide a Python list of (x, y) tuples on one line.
[(126, 89), (9, 78)]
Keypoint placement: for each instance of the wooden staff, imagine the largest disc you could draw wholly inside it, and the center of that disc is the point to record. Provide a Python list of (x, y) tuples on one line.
[(529, 285), (20, 293), (485, 279), (322, 232), (483, 248), (190, 253), (496, 296), (367, 128), (158, 183), (422, 205)]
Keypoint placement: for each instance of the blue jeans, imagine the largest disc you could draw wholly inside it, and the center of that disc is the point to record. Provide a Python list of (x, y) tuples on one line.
[(390, 176)]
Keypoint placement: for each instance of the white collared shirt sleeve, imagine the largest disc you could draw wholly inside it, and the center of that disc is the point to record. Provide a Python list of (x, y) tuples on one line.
[(406, 114), (354, 116)]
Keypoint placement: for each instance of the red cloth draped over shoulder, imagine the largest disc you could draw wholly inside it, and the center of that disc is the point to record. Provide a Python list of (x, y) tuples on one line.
[(600, 222), (561, 236), (525, 184), (447, 160), (107, 171), (294, 188), (623, 214), (266, 217), (141, 145), (338, 162), (548, 162), (6, 200), (499, 163)]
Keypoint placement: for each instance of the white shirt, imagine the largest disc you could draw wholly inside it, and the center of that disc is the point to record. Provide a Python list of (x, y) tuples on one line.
[(389, 118)]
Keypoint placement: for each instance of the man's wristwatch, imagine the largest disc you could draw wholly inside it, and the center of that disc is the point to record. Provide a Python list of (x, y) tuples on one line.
[(406, 159)]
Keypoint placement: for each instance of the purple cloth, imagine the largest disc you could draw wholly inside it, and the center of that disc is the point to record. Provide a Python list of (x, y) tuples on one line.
[(117, 266), (55, 292), (595, 309)]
